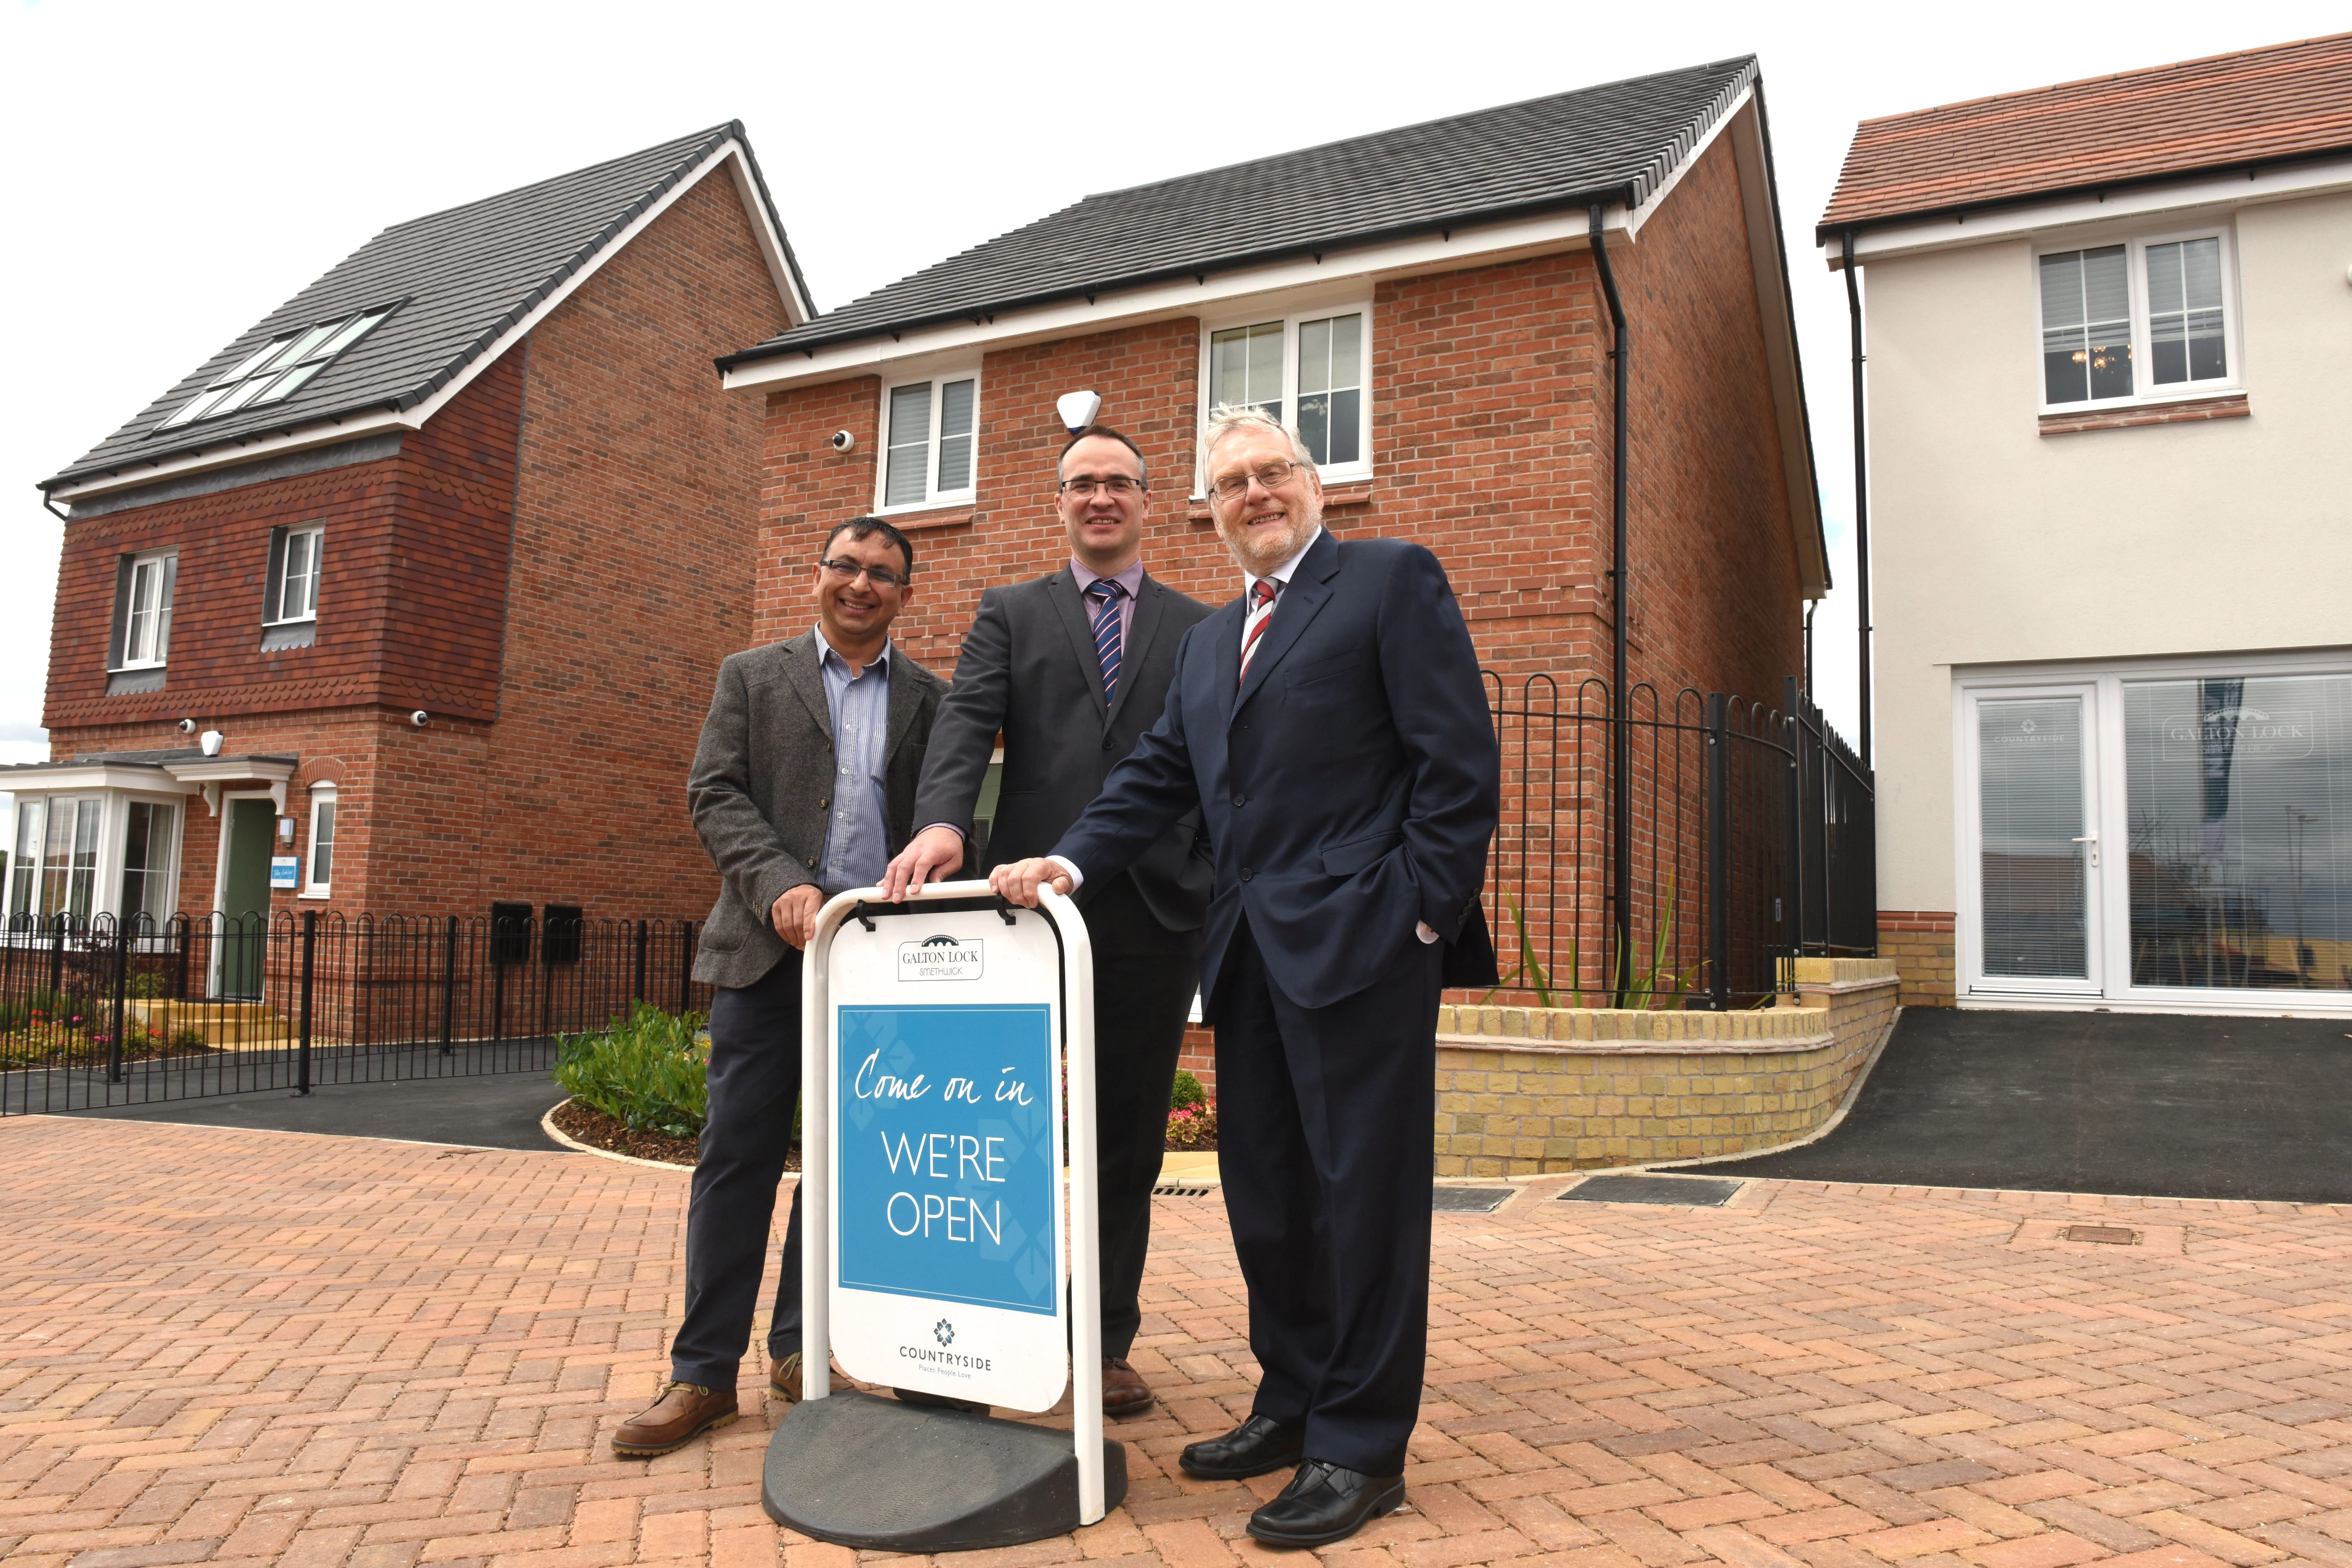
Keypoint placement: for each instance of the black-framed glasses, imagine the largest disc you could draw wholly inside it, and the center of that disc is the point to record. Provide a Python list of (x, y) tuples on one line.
[(1115, 484), (848, 571), (1268, 475)]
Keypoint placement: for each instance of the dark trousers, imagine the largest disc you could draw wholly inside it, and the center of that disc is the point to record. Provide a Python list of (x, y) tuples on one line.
[(755, 1080), (1145, 975), (1323, 1142)]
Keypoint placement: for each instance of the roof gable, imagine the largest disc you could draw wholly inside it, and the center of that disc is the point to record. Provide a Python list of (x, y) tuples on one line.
[(2289, 102), (1618, 143), (463, 280)]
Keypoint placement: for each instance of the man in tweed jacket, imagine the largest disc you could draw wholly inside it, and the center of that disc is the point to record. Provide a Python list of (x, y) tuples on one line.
[(802, 786)]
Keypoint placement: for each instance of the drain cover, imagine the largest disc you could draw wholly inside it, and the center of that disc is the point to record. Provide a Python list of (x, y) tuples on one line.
[(1703, 1191), (1469, 1200), (1173, 1192), (2112, 1235)]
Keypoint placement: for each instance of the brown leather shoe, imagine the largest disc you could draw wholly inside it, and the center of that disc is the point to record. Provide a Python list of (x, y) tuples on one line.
[(1123, 1390), (684, 1411), (785, 1379)]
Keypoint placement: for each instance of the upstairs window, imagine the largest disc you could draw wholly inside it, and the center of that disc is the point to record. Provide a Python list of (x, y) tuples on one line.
[(278, 369), (930, 430), (2146, 318), (142, 610), (1306, 370)]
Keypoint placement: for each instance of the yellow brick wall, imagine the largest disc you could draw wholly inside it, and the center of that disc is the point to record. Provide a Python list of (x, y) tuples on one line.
[(1522, 1090), (1922, 945)]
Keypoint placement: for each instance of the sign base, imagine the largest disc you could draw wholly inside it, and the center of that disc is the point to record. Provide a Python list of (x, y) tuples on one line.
[(881, 1474)]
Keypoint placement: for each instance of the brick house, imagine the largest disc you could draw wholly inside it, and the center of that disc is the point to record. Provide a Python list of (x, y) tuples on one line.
[(1427, 303), (420, 584), (2107, 323)]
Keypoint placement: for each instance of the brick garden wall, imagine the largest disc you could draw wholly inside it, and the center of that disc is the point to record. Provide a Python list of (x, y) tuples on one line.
[(1923, 943)]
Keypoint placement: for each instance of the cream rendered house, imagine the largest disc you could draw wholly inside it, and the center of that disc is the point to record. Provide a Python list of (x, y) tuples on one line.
[(2108, 329)]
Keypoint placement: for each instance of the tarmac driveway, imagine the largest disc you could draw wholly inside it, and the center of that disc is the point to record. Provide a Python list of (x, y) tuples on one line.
[(2097, 1103)]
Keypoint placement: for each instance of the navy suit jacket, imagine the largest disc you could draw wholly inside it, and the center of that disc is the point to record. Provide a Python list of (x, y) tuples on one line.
[(1348, 788)]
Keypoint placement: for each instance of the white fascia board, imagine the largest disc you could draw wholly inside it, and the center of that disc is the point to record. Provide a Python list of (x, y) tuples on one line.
[(326, 432), (771, 244), (2283, 184), (1674, 176), (1769, 268), (1487, 246), (69, 778)]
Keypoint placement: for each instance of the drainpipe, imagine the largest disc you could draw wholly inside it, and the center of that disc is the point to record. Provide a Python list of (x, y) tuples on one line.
[(1620, 759), (1809, 694), (1861, 494)]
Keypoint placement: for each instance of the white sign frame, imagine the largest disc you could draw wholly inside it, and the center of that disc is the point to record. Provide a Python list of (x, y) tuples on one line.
[(820, 1285)]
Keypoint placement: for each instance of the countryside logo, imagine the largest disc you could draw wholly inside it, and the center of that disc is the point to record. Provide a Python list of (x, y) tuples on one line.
[(941, 957), (952, 1363)]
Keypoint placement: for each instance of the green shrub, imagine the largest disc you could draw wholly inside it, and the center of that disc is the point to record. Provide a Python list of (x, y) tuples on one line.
[(1188, 1091), (1194, 1128), (645, 1070), (187, 1037)]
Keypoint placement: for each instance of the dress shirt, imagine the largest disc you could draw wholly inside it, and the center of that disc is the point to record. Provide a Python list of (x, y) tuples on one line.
[(1132, 579), (857, 843)]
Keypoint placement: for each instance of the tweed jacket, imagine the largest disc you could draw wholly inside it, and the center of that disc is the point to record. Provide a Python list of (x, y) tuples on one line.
[(762, 781)]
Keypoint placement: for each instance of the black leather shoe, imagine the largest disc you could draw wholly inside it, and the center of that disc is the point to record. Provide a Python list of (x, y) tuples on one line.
[(1258, 1445), (1326, 1503)]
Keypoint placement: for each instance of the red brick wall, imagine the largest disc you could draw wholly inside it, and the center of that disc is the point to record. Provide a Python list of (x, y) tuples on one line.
[(566, 702)]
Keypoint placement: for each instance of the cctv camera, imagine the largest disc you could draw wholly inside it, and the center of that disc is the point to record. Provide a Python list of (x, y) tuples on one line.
[(187, 726), (1078, 409), (842, 440), (418, 718)]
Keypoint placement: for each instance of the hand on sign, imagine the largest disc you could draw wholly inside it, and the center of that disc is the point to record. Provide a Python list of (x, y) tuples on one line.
[(794, 914), (1019, 880), (934, 852)]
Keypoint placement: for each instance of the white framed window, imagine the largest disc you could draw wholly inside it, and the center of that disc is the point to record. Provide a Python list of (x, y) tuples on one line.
[(143, 609), (318, 877), (150, 859), (55, 868), (293, 590), (279, 368), (2146, 317), (930, 440), (1311, 369)]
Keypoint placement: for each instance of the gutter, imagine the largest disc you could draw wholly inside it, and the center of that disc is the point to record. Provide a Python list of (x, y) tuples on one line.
[(1621, 760), (1622, 192)]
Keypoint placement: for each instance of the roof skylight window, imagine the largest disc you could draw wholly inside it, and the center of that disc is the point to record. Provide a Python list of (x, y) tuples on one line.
[(278, 369)]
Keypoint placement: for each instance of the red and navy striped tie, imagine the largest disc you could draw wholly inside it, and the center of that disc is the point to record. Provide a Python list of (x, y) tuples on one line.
[(1262, 608), (1106, 595)]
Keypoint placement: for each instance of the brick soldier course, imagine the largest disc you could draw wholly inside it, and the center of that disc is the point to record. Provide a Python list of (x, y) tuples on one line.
[(243, 1347)]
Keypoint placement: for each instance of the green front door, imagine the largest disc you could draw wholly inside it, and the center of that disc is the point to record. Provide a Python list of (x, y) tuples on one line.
[(245, 897)]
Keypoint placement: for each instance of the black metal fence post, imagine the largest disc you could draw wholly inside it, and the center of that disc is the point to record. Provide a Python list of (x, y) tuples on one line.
[(449, 987), (1718, 851), (685, 963), (57, 954), (310, 954), (122, 986), (637, 988)]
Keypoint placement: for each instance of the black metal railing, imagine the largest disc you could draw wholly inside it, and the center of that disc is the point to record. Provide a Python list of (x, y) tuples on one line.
[(98, 1012), (1751, 833)]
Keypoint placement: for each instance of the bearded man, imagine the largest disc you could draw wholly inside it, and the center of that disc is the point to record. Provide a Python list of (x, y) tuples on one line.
[(1331, 728)]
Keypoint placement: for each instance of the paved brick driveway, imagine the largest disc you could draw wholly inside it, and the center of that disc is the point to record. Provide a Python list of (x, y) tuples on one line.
[(224, 1345)]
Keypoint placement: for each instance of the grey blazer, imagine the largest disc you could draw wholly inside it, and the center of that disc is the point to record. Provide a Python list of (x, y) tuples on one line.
[(1028, 669), (762, 781)]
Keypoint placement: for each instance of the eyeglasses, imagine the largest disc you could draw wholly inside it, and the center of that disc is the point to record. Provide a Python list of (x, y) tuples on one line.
[(848, 571), (1232, 487), (1087, 484)]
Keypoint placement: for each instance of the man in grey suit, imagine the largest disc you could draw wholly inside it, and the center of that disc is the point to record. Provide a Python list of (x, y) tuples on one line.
[(802, 786), (1072, 669)]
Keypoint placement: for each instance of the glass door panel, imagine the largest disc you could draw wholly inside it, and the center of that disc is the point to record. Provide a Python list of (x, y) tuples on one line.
[(2038, 845), (2239, 790)]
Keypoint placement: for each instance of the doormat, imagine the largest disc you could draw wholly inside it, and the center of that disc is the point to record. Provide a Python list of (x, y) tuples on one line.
[(1699, 1191)]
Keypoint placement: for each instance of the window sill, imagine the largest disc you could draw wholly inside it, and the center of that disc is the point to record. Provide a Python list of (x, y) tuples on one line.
[(2122, 417), (316, 895), (933, 517), (126, 682), (1348, 492)]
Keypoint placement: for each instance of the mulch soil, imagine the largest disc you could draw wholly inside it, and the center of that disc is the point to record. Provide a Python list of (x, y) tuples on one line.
[(598, 1131)]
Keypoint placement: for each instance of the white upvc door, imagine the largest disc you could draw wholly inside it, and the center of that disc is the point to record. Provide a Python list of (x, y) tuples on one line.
[(2031, 847)]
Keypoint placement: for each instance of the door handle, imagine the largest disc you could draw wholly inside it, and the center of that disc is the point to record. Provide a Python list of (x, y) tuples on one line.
[(2092, 840)]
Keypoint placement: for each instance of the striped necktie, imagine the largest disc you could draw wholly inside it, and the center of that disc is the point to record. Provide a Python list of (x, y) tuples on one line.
[(1106, 594), (1261, 612)]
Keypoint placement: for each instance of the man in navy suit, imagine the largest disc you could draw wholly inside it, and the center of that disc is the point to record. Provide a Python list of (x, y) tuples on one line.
[(1331, 728)]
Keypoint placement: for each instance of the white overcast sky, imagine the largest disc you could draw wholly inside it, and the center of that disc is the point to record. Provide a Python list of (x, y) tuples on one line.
[(172, 172)]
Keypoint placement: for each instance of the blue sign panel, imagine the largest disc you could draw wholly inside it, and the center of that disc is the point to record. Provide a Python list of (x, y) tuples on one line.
[(284, 871), (944, 1155)]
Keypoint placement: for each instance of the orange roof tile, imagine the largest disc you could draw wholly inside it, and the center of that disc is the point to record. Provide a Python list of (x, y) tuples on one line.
[(2290, 100)]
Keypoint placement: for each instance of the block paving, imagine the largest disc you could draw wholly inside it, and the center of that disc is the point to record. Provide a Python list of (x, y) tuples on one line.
[(228, 1346)]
